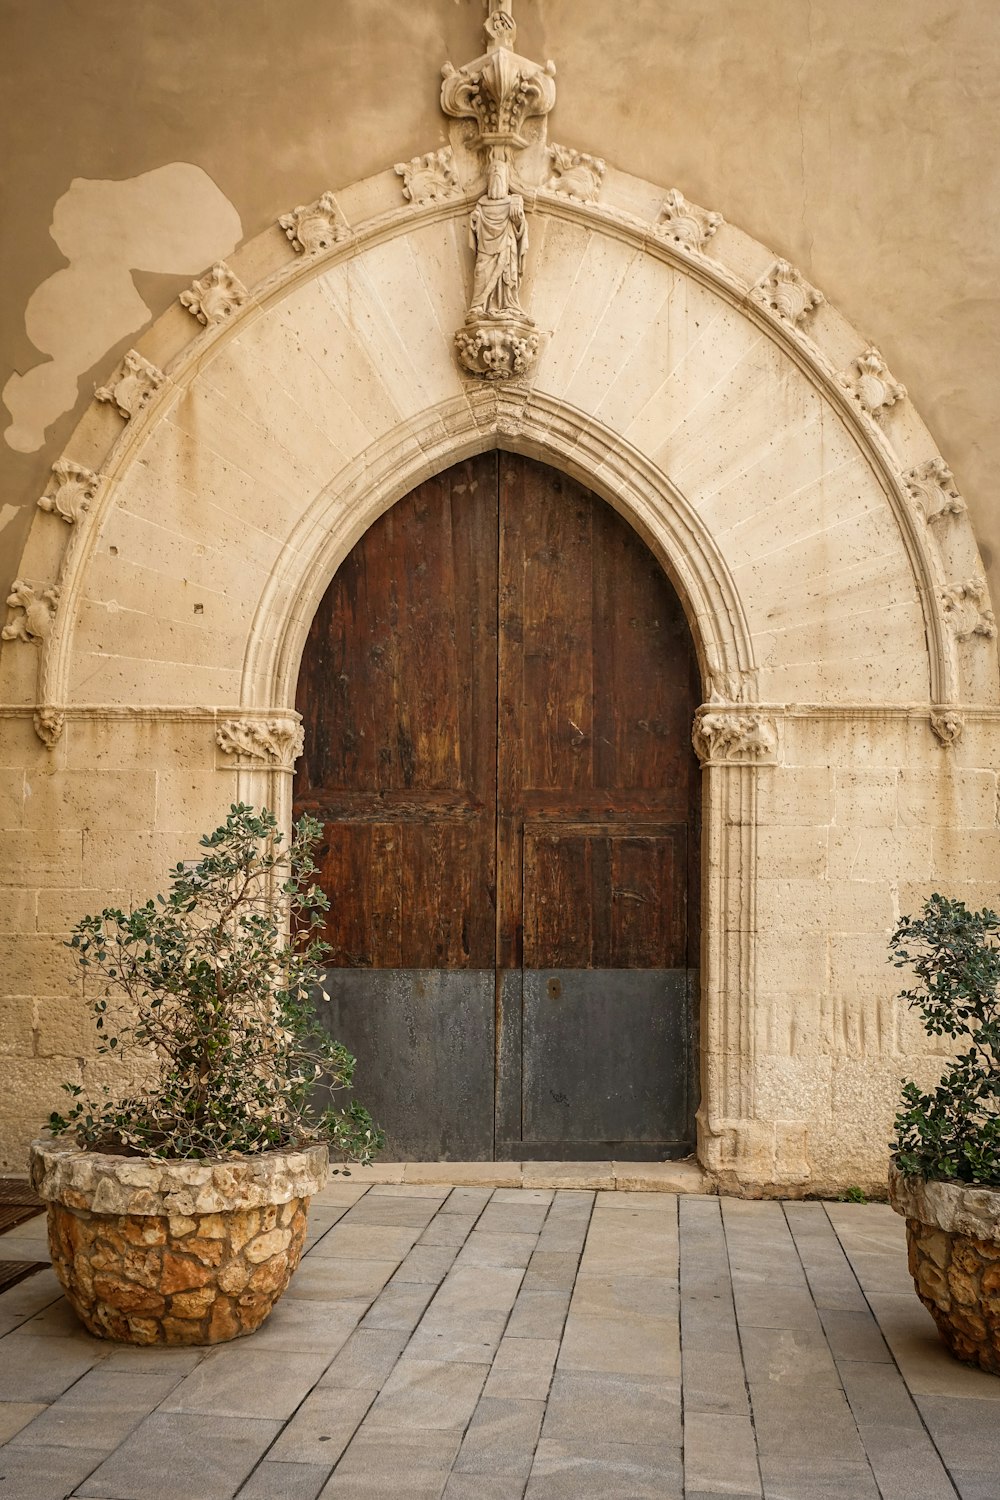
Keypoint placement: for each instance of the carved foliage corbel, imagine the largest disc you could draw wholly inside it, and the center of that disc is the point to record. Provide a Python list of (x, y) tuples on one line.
[(49, 724), (70, 491), (273, 742), (870, 384), (967, 610), (947, 724), (37, 607), (133, 384), (686, 225), (786, 293), (215, 296), (932, 492), (731, 737), (313, 227), (575, 174), (429, 178)]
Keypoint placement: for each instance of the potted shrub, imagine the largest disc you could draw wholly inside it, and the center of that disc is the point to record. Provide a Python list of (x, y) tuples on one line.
[(945, 1172), (177, 1208)]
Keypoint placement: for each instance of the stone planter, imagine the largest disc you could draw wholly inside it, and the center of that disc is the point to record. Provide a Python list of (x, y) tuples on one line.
[(953, 1242), (175, 1252)]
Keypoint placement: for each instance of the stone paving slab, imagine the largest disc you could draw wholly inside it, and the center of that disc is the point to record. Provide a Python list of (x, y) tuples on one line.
[(555, 1341)]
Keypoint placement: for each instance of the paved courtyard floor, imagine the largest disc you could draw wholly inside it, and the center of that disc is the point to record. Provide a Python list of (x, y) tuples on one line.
[(484, 1344)]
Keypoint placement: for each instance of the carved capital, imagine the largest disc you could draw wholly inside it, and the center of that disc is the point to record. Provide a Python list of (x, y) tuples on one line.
[(575, 174), (313, 227), (947, 724), (871, 385), (134, 383), (931, 489), (69, 491), (37, 608), (495, 350), (429, 178), (216, 296), (785, 292), (684, 224), (967, 610), (49, 724), (722, 737), (271, 742)]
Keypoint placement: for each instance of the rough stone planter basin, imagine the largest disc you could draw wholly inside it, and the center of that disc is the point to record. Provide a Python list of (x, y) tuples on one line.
[(175, 1252), (953, 1243)]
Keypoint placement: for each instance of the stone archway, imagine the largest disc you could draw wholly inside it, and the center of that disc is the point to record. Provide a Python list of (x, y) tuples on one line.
[(696, 383)]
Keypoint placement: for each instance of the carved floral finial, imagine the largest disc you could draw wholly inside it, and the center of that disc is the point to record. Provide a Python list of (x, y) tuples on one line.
[(275, 742), (429, 178), (871, 384), (313, 227), (70, 490), (786, 293), (38, 607), (685, 224), (575, 174), (967, 609), (133, 384), (215, 296), (499, 26), (932, 491), (500, 91)]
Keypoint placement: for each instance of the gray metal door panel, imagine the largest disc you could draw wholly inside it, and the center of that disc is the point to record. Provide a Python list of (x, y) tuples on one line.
[(424, 1038)]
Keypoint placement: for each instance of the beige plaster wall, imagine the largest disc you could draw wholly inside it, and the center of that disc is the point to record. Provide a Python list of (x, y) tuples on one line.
[(860, 141)]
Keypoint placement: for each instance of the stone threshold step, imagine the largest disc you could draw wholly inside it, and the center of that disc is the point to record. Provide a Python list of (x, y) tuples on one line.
[(621, 1176)]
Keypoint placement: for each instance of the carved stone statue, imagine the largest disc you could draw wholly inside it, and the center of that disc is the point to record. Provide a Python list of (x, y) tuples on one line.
[(498, 232)]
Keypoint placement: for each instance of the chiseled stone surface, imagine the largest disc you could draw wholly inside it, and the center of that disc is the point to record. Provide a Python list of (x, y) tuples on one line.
[(676, 1347)]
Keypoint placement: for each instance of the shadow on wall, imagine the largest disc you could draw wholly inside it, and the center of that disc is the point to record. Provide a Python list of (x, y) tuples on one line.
[(173, 220)]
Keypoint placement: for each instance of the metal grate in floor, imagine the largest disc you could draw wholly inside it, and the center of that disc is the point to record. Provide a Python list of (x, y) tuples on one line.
[(13, 1271)]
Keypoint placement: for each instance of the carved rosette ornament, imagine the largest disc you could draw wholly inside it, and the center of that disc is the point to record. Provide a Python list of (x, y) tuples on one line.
[(133, 384), (313, 227), (685, 224), (499, 92), (70, 490), (215, 296), (871, 385), (967, 610), (575, 174), (37, 606), (727, 738), (270, 742), (430, 178), (947, 724), (785, 292), (932, 492)]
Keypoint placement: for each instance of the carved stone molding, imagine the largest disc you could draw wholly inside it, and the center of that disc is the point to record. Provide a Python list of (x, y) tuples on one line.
[(70, 491), (728, 688), (429, 178), (931, 488), (947, 724), (313, 227), (272, 742), (967, 610), (871, 385), (37, 606), (133, 384), (216, 296), (685, 224), (575, 174), (497, 351), (501, 90), (49, 724), (726, 738), (785, 292)]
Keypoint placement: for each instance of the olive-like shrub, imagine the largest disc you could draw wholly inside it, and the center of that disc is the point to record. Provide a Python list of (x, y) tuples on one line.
[(211, 991)]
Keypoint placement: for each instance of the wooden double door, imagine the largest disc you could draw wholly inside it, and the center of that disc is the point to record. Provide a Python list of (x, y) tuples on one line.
[(498, 691)]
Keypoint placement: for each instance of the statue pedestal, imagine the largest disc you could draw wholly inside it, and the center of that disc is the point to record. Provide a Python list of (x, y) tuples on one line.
[(497, 349)]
